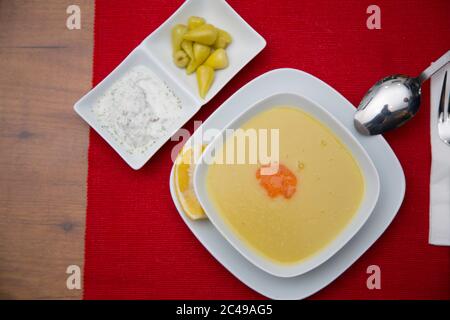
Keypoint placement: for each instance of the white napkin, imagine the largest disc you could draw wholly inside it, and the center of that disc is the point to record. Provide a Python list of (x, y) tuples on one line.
[(440, 168)]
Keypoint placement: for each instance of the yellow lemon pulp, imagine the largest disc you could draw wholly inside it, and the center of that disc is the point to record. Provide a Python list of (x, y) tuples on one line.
[(184, 169)]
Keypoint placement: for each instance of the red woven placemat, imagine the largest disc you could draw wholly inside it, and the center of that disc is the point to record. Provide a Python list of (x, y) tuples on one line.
[(137, 246)]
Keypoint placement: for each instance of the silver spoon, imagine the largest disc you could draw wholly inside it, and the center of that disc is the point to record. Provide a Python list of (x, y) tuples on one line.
[(393, 101)]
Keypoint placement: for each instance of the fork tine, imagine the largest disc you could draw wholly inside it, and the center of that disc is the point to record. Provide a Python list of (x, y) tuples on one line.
[(448, 103), (442, 100)]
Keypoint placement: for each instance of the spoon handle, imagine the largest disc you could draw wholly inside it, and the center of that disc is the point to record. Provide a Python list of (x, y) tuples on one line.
[(434, 67)]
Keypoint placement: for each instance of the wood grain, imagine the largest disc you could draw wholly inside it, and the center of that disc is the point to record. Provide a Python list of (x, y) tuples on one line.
[(45, 68)]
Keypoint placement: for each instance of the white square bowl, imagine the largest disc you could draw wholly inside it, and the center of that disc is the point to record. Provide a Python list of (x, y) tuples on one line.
[(155, 52), (369, 172)]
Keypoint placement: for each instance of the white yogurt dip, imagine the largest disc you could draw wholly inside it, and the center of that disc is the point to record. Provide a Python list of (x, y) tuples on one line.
[(138, 109)]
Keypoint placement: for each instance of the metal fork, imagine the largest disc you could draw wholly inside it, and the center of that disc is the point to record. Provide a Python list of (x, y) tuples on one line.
[(444, 115)]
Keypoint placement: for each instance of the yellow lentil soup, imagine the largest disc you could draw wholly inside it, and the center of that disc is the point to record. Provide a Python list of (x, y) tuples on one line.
[(293, 214)]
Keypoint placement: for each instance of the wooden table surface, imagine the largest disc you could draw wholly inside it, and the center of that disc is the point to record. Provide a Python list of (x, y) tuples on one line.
[(45, 68)]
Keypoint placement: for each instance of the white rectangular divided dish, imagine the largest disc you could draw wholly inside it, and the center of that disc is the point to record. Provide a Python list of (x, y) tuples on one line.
[(392, 188), (155, 52), (369, 172)]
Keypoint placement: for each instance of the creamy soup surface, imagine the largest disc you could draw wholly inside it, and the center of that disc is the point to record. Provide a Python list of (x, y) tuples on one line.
[(300, 210)]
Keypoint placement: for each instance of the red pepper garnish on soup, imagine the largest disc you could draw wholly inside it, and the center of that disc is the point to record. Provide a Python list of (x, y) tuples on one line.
[(283, 182)]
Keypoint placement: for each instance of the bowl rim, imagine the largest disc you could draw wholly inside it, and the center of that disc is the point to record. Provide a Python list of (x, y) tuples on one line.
[(350, 230)]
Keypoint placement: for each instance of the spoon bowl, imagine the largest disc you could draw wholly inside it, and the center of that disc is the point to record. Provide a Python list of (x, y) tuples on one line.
[(393, 101), (390, 103)]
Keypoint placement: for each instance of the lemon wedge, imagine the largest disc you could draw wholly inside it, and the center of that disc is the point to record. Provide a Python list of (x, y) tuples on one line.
[(184, 170)]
